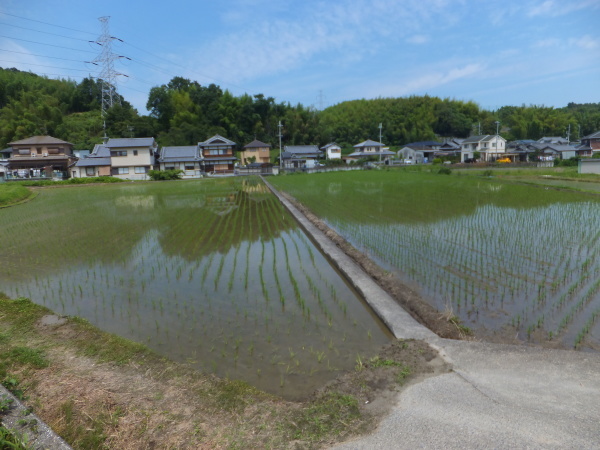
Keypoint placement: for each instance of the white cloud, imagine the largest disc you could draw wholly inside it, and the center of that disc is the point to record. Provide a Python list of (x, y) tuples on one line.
[(552, 8), (586, 42), (418, 39), (24, 59)]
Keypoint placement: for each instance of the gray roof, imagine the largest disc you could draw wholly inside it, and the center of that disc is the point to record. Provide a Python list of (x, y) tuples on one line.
[(99, 151), (366, 154), (130, 142), (257, 144), (369, 143), (93, 162), (325, 147), (303, 149), (39, 140), (595, 135), (557, 147), (217, 139), (480, 138), (553, 140), (179, 154)]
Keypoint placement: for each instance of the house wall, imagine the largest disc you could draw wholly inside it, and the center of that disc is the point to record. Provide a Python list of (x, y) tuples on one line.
[(99, 171), (40, 150), (196, 172), (589, 166), (262, 155), (144, 157), (334, 152)]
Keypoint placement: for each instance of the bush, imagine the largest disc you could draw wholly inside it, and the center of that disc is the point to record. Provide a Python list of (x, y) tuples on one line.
[(159, 175), (444, 170), (571, 162), (436, 161)]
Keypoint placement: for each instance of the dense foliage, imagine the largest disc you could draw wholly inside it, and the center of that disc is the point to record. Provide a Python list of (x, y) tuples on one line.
[(183, 112)]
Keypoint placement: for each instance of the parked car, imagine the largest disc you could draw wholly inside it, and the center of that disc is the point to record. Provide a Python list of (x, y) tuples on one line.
[(503, 160)]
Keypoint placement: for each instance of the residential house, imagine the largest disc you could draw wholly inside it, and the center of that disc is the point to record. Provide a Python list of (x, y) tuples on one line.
[(132, 158), (332, 151), (187, 158), (450, 148), (553, 140), (300, 156), (40, 157), (553, 151), (427, 148), (490, 147), (370, 148), (590, 145), (96, 164), (217, 155), (4, 157), (256, 152)]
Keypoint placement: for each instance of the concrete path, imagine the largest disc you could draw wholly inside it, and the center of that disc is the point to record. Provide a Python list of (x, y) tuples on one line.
[(497, 396)]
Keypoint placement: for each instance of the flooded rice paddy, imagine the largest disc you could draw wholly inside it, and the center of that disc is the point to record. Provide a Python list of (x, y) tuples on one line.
[(503, 257), (214, 273)]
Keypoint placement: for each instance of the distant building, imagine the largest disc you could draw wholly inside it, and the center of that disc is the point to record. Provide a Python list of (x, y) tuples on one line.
[(96, 164), (298, 156), (370, 148), (332, 151), (132, 158), (257, 151), (217, 155), (186, 158), (40, 157), (590, 145), (490, 147)]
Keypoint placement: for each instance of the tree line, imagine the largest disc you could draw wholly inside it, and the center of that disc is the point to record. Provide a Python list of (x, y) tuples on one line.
[(183, 112)]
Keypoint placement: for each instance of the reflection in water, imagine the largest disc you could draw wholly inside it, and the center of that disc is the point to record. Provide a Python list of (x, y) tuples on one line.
[(214, 273)]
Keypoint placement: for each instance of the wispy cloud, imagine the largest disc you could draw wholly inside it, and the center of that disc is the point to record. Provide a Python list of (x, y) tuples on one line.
[(418, 39), (586, 42), (552, 8)]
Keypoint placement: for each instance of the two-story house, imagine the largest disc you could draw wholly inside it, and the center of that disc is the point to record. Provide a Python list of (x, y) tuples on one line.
[(590, 145), (187, 158), (256, 152), (370, 148), (490, 147), (300, 156), (132, 158), (332, 151), (217, 155), (4, 157), (40, 157)]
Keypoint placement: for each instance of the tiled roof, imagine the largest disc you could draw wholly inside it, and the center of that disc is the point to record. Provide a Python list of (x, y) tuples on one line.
[(332, 144), (130, 142), (257, 144), (369, 143), (303, 149), (217, 139), (39, 140), (93, 162), (179, 153), (595, 135)]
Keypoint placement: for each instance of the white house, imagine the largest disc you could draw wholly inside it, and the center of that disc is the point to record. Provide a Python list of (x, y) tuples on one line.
[(332, 151), (489, 146), (131, 158), (370, 148)]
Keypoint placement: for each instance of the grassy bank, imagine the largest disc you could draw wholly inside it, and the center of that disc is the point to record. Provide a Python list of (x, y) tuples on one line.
[(97, 390), (11, 194)]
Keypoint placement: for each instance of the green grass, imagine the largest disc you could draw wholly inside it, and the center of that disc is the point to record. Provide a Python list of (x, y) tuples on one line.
[(11, 193)]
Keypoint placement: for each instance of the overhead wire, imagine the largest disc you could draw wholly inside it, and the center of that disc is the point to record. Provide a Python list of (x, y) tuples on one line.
[(47, 23), (44, 32), (50, 45)]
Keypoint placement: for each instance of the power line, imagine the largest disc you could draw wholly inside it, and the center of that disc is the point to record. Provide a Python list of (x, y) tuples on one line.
[(44, 32), (50, 45), (43, 65), (43, 56), (46, 23)]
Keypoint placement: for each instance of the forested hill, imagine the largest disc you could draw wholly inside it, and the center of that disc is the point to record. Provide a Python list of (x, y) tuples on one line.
[(183, 112)]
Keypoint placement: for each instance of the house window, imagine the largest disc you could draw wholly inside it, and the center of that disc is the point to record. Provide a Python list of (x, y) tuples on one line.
[(135, 153), (141, 169), (123, 170), (90, 171), (493, 144), (189, 166), (170, 167), (118, 153)]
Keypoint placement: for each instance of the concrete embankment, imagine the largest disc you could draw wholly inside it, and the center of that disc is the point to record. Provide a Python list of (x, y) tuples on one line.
[(497, 396)]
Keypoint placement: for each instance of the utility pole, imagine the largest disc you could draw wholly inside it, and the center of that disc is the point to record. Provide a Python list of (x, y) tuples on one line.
[(280, 162), (497, 127), (569, 134), (108, 75), (380, 129)]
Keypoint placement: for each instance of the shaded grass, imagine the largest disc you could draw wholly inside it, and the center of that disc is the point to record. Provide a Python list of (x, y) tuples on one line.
[(13, 193)]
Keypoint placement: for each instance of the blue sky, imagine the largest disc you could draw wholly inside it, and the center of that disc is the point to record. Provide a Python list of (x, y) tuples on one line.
[(319, 53)]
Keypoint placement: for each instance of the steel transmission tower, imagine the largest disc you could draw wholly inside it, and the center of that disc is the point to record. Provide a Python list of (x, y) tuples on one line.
[(108, 75)]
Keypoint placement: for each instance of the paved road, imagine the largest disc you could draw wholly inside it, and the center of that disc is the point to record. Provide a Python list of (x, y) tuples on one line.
[(499, 396)]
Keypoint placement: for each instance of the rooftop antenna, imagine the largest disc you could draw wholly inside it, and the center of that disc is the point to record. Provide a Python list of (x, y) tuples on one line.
[(108, 75)]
